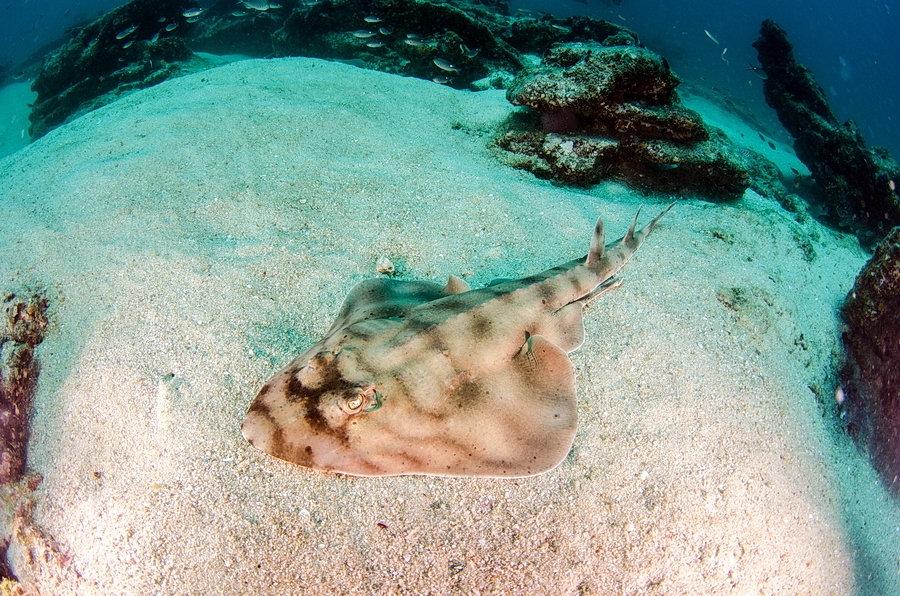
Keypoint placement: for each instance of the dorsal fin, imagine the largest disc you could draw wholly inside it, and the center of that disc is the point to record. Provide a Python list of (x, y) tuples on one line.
[(629, 236), (597, 246), (455, 285), (649, 227)]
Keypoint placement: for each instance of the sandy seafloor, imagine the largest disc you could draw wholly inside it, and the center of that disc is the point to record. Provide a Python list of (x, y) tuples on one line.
[(195, 236)]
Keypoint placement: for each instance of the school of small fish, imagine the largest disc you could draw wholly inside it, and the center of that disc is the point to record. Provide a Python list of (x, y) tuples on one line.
[(411, 39)]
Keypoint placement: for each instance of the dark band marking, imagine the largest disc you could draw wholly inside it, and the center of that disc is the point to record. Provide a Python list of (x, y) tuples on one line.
[(331, 382), (468, 395), (482, 326)]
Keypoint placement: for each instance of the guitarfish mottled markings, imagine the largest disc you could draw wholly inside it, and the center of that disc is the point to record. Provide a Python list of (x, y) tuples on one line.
[(418, 378)]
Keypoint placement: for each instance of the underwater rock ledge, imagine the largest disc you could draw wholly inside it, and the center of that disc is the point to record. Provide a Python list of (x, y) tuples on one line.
[(857, 186)]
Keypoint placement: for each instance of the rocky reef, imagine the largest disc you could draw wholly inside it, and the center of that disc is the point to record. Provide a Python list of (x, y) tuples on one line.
[(136, 45), (609, 109), (871, 376), (856, 186), (22, 328), (463, 43), (455, 44), (227, 27), (601, 105), (25, 325)]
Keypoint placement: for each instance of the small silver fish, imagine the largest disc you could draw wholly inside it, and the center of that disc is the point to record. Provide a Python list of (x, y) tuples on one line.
[(374, 44), (758, 71), (468, 52), (171, 26), (414, 42), (444, 65), (372, 19), (193, 12), (709, 35), (239, 13), (413, 36), (260, 5), (363, 34), (192, 20), (161, 20), (127, 44), (154, 38), (125, 33), (441, 80), (384, 30)]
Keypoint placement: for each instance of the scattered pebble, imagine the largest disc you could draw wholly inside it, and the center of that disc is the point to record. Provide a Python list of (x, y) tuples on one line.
[(385, 266)]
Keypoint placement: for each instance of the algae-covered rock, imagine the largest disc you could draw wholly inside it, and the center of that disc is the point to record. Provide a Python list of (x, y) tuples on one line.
[(537, 35), (857, 186), (136, 45), (871, 377), (601, 111), (467, 44), (23, 329), (407, 39), (594, 81)]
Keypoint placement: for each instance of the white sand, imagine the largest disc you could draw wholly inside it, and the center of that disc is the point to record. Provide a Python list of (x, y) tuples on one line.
[(208, 228)]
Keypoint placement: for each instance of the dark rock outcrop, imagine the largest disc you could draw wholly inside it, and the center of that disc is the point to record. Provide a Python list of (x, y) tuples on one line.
[(478, 40), (537, 35), (871, 377), (857, 186), (25, 323), (230, 28), (609, 109), (409, 38), (102, 61)]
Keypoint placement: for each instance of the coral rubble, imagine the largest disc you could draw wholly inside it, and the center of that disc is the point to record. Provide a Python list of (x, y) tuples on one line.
[(857, 186)]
